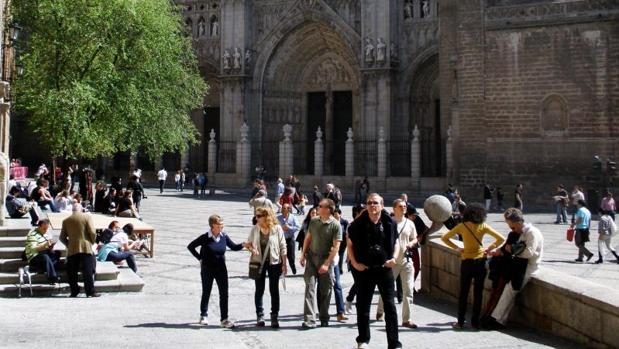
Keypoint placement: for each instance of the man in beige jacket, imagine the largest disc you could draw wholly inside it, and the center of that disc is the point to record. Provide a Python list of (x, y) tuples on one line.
[(78, 234)]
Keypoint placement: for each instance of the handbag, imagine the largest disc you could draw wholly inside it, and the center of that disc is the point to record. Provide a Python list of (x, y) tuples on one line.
[(570, 234), (255, 268)]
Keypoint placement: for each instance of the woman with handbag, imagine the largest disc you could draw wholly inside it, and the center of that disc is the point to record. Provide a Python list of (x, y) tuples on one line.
[(473, 256), (268, 245), (212, 259)]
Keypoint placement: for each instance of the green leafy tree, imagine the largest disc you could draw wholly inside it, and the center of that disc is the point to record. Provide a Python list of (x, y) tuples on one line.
[(105, 76)]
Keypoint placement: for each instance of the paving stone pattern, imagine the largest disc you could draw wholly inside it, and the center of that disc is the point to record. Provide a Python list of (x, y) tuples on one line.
[(166, 312)]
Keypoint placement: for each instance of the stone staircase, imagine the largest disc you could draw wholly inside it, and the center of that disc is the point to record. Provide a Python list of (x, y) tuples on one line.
[(109, 277)]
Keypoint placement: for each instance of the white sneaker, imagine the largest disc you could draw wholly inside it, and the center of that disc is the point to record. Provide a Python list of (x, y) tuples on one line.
[(203, 321), (348, 308), (362, 346), (227, 324)]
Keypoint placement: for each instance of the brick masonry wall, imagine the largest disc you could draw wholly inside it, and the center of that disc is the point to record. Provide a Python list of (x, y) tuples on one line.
[(505, 74)]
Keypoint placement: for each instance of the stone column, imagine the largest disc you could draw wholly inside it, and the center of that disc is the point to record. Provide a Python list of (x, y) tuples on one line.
[(286, 152), (243, 154), (415, 155), (318, 154), (328, 158), (212, 156), (382, 154), (350, 154), (449, 155)]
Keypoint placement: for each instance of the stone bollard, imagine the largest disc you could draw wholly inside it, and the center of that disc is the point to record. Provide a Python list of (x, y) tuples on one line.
[(285, 152), (212, 156), (243, 154)]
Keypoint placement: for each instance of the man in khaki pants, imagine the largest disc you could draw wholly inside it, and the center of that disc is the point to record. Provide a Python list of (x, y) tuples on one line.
[(78, 234)]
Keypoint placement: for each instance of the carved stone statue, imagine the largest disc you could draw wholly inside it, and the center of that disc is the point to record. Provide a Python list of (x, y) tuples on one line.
[(212, 135), (425, 8), (408, 10), (393, 51), (237, 58), (318, 135), (247, 57), (369, 50), (201, 27), (349, 134), (287, 132), (226, 59), (214, 27), (244, 132), (380, 50)]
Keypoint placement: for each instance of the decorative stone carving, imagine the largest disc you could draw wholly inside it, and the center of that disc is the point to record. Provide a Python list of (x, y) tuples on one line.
[(425, 8), (247, 57), (287, 132), (319, 135), (448, 132), (393, 51), (244, 132), (416, 133), (329, 71), (408, 10), (381, 134), (369, 50), (349, 134), (554, 114), (237, 58), (201, 27), (212, 135), (214, 26), (226, 59), (380, 51)]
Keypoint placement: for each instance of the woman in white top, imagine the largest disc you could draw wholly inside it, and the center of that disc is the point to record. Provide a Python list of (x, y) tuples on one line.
[(267, 237), (63, 202)]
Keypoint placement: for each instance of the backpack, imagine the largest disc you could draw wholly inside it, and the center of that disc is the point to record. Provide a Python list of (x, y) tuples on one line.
[(105, 236)]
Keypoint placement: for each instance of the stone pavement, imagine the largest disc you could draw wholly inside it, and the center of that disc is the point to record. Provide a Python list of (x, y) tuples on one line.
[(165, 314)]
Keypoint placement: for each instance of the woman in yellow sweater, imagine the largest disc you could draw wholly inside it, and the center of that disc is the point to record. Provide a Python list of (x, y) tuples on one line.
[(473, 255)]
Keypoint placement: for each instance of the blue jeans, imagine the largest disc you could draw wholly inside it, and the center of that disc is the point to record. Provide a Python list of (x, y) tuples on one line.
[(123, 256), (561, 213), (337, 289), (46, 261)]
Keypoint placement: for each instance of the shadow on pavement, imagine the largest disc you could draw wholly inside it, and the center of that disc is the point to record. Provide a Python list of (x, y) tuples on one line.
[(190, 326)]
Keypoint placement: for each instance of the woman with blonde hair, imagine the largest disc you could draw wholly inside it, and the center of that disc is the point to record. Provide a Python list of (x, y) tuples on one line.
[(268, 247)]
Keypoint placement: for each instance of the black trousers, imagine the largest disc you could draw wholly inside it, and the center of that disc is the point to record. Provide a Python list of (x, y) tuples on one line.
[(218, 274), (161, 184), (290, 247), (274, 271), (88, 264), (471, 270), (366, 281)]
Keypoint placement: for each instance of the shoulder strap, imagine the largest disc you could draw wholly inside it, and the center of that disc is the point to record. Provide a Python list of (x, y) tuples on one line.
[(470, 231)]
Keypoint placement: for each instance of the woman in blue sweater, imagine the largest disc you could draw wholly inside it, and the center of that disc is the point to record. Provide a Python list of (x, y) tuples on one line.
[(212, 259)]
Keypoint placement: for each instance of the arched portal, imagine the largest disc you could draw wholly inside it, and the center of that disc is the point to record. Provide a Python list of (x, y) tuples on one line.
[(425, 113), (309, 81)]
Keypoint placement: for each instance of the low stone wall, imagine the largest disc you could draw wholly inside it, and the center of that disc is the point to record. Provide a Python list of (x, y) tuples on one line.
[(553, 302)]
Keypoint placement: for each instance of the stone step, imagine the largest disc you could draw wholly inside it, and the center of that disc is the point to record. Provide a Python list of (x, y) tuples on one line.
[(15, 252), (10, 231), (12, 241), (127, 281), (105, 271)]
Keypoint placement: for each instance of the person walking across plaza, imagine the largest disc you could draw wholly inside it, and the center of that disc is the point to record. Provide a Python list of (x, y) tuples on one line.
[(268, 245), (606, 229), (78, 235), (473, 257), (582, 222), (290, 226), (373, 250), (213, 245), (488, 196), (576, 195), (608, 204), (561, 200), (530, 255), (518, 201), (321, 245), (162, 175), (407, 236)]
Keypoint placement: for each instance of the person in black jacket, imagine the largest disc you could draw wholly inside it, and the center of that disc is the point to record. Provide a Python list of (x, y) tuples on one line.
[(212, 259), (373, 249)]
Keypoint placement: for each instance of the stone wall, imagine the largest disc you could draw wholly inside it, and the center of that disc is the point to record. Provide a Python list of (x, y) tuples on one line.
[(537, 90), (556, 303)]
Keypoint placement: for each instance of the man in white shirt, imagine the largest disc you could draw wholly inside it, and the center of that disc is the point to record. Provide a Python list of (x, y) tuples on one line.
[(533, 251), (407, 235), (162, 175)]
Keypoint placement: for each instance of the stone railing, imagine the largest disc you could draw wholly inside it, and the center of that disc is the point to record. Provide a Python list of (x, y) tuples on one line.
[(552, 301)]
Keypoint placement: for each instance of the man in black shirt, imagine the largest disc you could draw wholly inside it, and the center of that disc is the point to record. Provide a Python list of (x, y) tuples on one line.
[(372, 248)]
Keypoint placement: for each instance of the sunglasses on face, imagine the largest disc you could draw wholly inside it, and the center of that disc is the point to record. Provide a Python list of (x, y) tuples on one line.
[(260, 215), (322, 206), (372, 203)]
